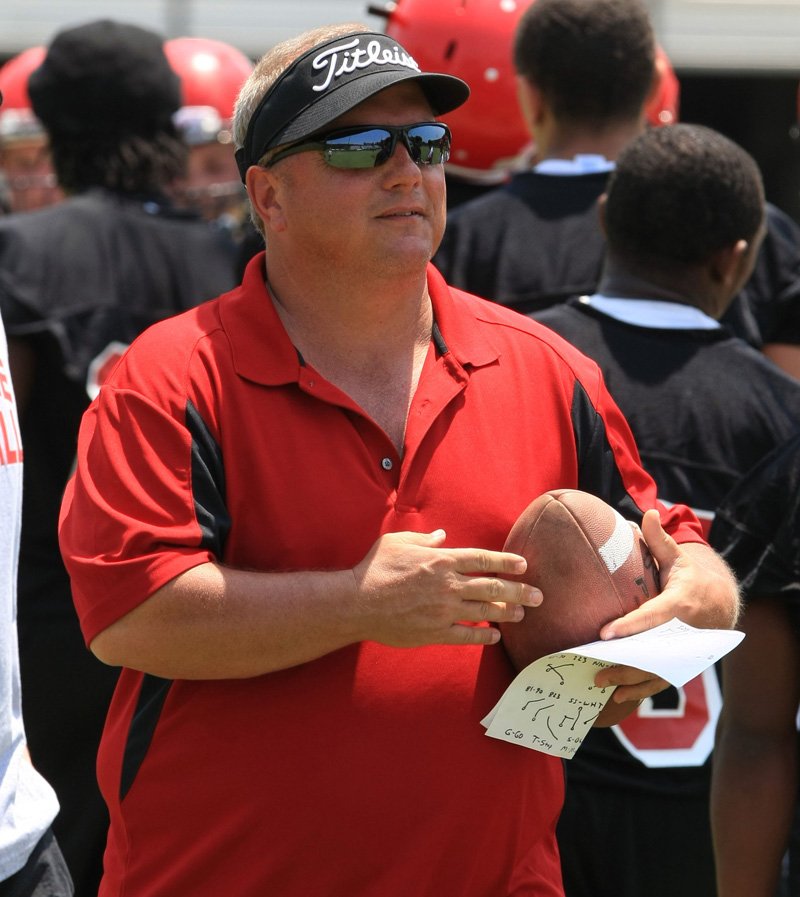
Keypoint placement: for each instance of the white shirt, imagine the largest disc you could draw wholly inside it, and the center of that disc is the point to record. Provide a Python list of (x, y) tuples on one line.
[(27, 802)]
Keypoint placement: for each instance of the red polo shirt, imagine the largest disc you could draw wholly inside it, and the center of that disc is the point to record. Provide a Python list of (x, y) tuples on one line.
[(365, 772)]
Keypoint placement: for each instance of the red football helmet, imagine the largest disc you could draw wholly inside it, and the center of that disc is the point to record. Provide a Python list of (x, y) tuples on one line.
[(17, 121), (662, 107), (471, 39), (211, 73)]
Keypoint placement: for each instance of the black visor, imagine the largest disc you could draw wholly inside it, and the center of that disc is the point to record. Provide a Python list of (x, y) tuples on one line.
[(331, 79)]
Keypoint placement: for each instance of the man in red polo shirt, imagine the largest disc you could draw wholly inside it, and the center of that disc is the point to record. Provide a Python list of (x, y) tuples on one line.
[(287, 522)]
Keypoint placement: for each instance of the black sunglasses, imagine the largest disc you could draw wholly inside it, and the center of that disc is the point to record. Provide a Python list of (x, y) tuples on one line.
[(367, 146)]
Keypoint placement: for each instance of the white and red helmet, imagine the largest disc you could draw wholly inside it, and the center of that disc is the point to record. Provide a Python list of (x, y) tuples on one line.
[(664, 103), (212, 73), (17, 121), (472, 39)]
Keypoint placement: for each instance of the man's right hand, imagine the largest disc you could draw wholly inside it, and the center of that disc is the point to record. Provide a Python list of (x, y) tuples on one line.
[(217, 622), (413, 591)]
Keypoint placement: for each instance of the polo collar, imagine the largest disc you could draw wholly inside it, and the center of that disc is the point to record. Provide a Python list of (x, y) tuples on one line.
[(262, 351), (652, 313), (465, 337), (583, 163)]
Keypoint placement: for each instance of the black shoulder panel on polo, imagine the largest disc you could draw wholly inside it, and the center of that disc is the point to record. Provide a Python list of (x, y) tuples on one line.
[(208, 484), (597, 467), (152, 695)]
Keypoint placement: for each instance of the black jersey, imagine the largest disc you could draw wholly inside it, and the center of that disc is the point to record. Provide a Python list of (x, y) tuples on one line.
[(704, 407), (536, 240), (78, 281), (530, 243), (757, 529)]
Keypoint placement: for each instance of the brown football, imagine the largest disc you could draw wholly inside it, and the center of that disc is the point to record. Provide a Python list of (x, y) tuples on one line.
[(591, 564)]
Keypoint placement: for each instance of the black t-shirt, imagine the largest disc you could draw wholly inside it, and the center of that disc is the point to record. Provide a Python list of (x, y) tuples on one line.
[(536, 240), (75, 279), (757, 529), (529, 244)]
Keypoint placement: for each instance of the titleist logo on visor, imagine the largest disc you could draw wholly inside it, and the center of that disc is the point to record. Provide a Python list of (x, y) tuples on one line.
[(347, 58)]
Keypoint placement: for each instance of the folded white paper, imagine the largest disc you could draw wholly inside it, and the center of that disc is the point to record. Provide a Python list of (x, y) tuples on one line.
[(553, 702)]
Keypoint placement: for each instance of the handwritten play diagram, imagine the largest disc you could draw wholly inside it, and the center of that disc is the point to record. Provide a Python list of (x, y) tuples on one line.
[(553, 702)]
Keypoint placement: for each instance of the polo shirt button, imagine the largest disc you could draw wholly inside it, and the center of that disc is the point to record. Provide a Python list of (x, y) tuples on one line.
[(386, 464)]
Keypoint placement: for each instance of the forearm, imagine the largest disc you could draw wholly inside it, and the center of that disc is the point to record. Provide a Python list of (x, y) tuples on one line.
[(754, 778), (214, 622), (752, 804), (786, 356)]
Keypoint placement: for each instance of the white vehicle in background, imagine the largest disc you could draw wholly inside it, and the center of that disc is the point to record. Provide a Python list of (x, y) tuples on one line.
[(724, 35), (253, 25)]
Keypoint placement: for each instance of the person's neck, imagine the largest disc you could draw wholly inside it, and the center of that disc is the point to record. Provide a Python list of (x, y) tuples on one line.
[(352, 317), (370, 338), (566, 142), (622, 283)]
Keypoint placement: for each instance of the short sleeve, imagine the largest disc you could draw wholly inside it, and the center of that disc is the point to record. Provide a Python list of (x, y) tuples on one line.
[(129, 520)]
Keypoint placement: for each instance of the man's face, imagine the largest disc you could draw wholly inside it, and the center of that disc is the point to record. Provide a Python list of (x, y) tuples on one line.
[(212, 184), (26, 166), (387, 219)]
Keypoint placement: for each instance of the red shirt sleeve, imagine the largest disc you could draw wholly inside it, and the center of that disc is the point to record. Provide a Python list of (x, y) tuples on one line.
[(128, 524)]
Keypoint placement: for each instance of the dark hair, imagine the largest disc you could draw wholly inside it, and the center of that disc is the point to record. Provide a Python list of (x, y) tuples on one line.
[(106, 93), (124, 163), (593, 60), (679, 194)]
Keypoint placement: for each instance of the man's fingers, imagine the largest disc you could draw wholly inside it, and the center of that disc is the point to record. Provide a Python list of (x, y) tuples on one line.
[(430, 540), (630, 684), (491, 612), (625, 693), (493, 590), (662, 546), (647, 616), (462, 634), (480, 561)]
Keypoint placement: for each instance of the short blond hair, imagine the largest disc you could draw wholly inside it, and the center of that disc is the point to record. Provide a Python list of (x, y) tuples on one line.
[(267, 71)]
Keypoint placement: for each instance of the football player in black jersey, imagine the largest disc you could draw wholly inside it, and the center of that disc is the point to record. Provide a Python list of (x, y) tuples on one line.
[(684, 219), (585, 72), (754, 783), (78, 281)]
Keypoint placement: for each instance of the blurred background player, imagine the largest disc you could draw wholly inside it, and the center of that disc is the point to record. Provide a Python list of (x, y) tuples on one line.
[(473, 40), (24, 154), (211, 74), (586, 81), (684, 220), (755, 776), (78, 281)]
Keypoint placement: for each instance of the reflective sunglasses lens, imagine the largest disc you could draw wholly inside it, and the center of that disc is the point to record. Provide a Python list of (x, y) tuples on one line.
[(430, 144), (363, 149)]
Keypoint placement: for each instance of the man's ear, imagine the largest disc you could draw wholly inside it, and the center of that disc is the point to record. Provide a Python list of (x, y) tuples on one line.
[(264, 190), (601, 212), (531, 102), (726, 265)]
